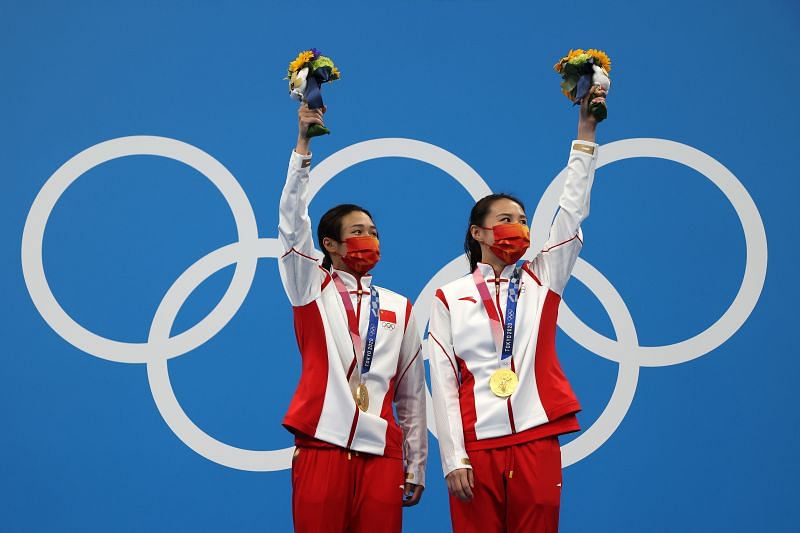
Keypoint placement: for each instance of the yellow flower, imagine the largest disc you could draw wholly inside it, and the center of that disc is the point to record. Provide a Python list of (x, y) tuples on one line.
[(301, 59), (558, 67), (336, 74), (601, 59), (574, 53)]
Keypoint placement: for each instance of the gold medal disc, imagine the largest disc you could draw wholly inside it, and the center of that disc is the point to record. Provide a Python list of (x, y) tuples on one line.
[(362, 397), (503, 382)]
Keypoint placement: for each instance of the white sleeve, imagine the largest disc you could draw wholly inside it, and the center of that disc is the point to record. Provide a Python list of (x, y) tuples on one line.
[(553, 265), (445, 390), (298, 266), (410, 404)]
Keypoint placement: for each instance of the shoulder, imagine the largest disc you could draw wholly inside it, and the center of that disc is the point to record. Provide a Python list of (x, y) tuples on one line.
[(326, 276), (397, 305), (456, 289), (390, 297), (527, 271), (458, 284)]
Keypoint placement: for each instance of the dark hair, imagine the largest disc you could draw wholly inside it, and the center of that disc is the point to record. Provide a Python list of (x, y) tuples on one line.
[(476, 217), (330, 226)]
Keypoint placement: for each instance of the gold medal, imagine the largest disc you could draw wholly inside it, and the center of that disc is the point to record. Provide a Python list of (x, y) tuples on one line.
[(362, 397), (503, 382)]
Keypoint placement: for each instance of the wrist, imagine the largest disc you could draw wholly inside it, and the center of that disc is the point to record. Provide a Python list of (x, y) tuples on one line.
[(301, 147), (587, 132)]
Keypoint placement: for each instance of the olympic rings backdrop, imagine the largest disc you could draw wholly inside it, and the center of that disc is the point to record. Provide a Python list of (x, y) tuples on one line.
[(148, 347)]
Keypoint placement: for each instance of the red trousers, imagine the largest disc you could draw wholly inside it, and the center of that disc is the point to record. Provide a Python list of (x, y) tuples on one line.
[(517, 488), (339, 491)]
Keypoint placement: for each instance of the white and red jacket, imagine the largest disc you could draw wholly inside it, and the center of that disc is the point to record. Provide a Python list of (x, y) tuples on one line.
[(323, 408), (462, 349)]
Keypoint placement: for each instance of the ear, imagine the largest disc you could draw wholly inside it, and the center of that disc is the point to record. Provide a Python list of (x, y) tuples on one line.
[(475, 231), (329, 244)]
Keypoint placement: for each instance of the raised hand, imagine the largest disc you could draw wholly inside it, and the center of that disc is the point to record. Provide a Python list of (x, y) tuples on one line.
[(305, 118), (587, 123)]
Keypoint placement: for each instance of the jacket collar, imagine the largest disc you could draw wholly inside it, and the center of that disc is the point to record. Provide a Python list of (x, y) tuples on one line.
[(488, 272), (352, 283)]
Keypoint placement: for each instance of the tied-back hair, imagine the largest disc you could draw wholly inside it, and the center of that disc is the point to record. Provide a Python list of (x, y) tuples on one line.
[(330, 226), (477, 217)]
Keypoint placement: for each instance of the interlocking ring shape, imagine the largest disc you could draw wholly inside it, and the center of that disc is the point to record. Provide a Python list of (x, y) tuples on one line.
[(160, 347)]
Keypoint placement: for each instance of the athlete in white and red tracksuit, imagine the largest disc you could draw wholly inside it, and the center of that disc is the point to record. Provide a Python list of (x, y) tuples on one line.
[(500, 453), (353, 464)]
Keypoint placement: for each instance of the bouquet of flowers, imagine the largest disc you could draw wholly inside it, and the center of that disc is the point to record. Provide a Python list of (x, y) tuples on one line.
[(580, 70), (307, 73)]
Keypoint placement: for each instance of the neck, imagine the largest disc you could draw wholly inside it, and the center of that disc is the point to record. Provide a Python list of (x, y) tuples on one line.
[(490, 259)]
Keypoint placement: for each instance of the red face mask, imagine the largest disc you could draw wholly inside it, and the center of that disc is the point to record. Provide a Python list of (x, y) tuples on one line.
[(363, 253), (510, 241)]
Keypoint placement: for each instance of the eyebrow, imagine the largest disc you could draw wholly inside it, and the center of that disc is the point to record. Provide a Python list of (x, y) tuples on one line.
[(510, 215), (354, 226)]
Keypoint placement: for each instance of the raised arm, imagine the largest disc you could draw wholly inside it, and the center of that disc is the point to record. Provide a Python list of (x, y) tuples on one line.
[(411, 409), (553, 265), (299, 269)]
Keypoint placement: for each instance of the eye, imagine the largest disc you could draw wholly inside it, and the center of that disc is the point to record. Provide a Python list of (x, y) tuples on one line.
[(505, 219), (356, 232)]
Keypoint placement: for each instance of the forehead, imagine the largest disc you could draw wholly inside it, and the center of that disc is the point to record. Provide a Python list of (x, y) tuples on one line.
[(354, 218), (504, 205)]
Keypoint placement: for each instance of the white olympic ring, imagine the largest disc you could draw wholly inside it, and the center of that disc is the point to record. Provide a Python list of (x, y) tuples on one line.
[(755, 265), (54, 187), (245, 253)]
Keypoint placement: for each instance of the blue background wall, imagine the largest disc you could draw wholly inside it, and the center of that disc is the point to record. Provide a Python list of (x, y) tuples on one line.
[(707, 445)]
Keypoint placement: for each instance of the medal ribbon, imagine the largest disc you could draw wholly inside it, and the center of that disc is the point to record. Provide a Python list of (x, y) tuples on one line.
[(503, 334), (352, 323)]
